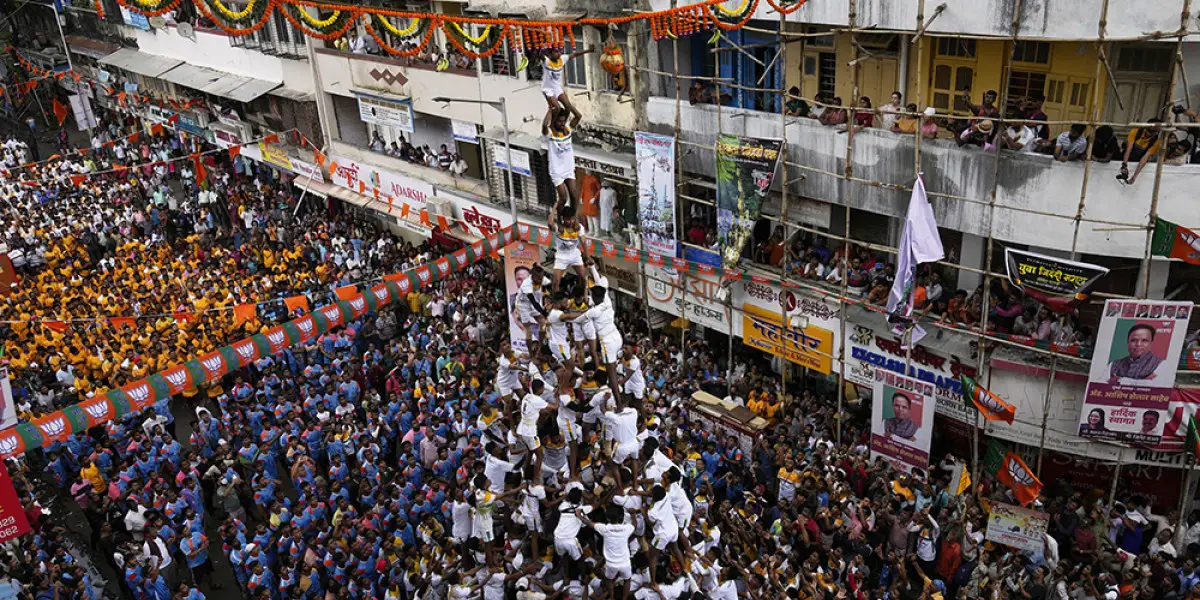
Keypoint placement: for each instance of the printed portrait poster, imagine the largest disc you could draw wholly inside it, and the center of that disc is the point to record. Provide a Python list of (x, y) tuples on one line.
[(902, 420), (1017, 527), (1133, 370), (745, 170), (519, 257)]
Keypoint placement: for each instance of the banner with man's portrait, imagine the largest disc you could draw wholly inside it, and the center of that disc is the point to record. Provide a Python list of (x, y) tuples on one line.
[(902, 420), (1133, 370)]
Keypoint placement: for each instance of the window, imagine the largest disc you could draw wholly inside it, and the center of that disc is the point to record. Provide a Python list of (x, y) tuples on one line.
[(575, 71), (503, 61), (276, 36), (828, 74), (1032, 52), (956, 47), (948, 79), (1023, 85), (1146, 60), (1079, 94)]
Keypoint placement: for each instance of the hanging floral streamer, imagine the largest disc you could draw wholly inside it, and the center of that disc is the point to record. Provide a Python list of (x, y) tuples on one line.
[(522, 35)]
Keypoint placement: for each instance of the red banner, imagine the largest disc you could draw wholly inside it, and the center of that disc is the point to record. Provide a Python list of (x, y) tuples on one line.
[(13, 523)]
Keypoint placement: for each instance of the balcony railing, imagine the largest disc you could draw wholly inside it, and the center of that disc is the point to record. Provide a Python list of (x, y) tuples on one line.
[(1035, 201)]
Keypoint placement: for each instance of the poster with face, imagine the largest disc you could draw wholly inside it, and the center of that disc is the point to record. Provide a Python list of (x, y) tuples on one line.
[(902, 420), (519, 258), (1133, 370)]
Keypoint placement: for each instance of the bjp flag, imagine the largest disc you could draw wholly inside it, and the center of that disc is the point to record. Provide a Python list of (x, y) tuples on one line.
[(295, 302), (990, 405), (346, 292), (244, 312), (1016, 475)]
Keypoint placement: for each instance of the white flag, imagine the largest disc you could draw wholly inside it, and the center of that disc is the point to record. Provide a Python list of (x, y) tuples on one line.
[(920, 243)]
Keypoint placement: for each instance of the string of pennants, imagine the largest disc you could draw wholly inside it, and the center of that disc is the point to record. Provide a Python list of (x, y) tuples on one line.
[(207, 368), (542, 236)]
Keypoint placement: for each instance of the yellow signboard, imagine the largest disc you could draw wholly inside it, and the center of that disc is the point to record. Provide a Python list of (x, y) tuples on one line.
[(275, 155), (809, 347)]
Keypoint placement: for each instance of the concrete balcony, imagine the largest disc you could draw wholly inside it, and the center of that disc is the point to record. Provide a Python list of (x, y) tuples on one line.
[(1057, 19), (959, 181), (341, 72)]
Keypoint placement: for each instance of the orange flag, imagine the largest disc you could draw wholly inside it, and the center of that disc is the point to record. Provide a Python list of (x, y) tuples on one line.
[(156, 129), (59, 326), (296, 302), (60, 111), (234, 151), (271, 139), (395, 276), (320, 158), (443, 223), (77, 180), (134, 137), (425, 219), (346, 292), (185, 317), (404, 210), (122, 322), (244, 312)]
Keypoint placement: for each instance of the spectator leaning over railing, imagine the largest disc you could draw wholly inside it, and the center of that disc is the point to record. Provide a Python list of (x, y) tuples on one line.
[(1141, 146)]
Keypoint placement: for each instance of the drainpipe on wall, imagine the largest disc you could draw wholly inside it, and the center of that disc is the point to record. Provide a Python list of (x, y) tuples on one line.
[(902, 82)]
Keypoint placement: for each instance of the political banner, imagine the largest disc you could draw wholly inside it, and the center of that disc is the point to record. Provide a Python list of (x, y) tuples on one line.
[(1058, 283), (902, 420), (1017, 527), (8, 404), (13, 523), (655, 156), (519, 258), (745, 170), (1133, 371)]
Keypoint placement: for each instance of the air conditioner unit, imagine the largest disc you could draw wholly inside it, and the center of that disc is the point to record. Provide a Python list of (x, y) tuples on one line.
[(440, 206)]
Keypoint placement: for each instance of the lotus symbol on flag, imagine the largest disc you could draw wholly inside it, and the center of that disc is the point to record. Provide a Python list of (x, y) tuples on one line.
[(244, 350), (444, 267), (478, 248), (380, 294), (275, 338), (404, 285), (1019, 475), (139, 394), (607, 247), (212, 364), (357, 304), (424, 275), (523, 229), (990, 402), (53, 428), (98, 411), (305, 326), (8, 444), (177, 378), (331, 313)]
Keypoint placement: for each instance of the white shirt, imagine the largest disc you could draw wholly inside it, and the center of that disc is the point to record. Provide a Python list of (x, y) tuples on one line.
[(531, 407), (623, 425), (663, 519), (495, 469), (616, 542)]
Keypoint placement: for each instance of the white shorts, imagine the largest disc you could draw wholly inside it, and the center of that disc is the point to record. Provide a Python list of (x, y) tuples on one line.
[(618, 572), (561, 349), (571, 431), (531, 442), (560, 178), (610, 347), (623, 451), (530, 522), (569, 547), (591, 416), (636, 390), (552, 91), (507, 385), (662, 543), (563, 260), (584, 331)]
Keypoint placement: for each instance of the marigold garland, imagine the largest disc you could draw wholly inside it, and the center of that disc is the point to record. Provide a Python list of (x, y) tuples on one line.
[(349, 17), (452, 35), (321, 23), (148, 10), (238, 31), (479, 40), (396, 52), (523, 35), (234, 15)]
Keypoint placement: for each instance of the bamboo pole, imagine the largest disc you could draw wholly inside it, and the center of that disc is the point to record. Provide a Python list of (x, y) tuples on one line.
[(1184, 17), (783, 147)]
